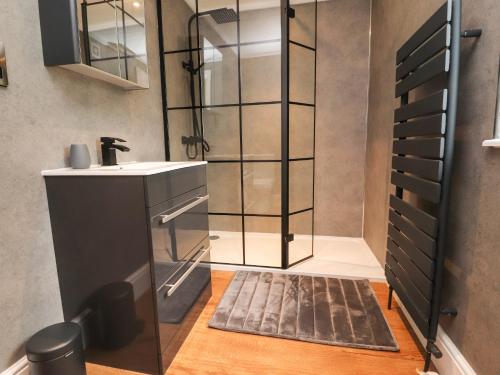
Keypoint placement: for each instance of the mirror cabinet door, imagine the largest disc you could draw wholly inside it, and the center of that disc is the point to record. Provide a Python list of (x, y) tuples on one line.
[(113, 37)]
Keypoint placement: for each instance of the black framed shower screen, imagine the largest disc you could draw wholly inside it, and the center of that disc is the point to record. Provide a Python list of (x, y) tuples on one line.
[(293, 99)]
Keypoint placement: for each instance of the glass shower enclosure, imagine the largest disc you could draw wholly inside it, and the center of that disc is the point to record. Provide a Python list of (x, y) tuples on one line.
[(238, 81)]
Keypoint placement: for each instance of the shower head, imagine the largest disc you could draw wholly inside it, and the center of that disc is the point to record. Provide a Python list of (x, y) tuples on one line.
[(219, 15), (222, 15)]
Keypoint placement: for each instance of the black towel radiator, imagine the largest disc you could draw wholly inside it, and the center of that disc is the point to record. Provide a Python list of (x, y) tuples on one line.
[(424, 133)]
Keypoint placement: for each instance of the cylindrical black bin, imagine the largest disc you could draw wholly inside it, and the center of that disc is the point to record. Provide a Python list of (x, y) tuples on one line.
[(56, 350)]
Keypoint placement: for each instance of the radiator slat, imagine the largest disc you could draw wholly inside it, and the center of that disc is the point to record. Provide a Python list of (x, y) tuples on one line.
[(434, 125), (438, 42), (434, 23), (427, 147), (423, 262), (437, 65), (426, 189), (423, 220), (430, 105)]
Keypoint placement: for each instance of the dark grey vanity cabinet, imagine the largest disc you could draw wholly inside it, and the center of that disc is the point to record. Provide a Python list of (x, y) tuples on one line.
[(132, 257)]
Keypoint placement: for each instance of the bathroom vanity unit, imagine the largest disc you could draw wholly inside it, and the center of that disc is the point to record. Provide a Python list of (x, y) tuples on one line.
[(132, 251)]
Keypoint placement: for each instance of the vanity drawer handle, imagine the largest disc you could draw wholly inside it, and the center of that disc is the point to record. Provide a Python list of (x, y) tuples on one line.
[(191, 268), (173, 215)]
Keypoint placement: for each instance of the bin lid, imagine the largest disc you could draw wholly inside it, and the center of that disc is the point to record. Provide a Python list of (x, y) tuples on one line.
[(53, 342)]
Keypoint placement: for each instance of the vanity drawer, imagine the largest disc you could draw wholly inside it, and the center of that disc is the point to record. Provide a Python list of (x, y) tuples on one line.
[(179, 225), (165, 186)]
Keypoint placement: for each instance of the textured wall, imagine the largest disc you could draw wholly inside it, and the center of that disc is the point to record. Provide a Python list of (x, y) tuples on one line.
[(341, 97), (42, 111), (392, 24), (472, 281)]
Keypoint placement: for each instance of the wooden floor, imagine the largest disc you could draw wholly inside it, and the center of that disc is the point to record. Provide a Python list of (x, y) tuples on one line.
[(211, 351)]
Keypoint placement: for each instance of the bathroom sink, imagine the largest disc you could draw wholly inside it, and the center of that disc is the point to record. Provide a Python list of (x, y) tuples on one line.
[(145, 166), (124, 169)]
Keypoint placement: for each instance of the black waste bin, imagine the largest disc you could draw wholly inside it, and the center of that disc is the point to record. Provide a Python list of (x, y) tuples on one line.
[(56, 350)]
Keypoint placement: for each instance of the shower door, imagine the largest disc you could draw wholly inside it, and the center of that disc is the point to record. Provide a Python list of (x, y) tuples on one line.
[(299, 63), (223, 82)]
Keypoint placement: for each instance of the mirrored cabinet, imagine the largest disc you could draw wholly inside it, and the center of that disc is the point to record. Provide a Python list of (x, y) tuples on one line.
[(103, 39)]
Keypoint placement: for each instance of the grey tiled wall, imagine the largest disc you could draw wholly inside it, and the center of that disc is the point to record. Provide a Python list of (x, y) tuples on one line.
[(342, 95)]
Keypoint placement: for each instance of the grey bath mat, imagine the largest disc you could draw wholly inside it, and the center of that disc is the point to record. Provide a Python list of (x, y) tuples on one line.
[(316, 309)]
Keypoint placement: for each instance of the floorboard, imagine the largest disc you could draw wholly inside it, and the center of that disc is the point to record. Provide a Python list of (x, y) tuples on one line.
[(211, 351)]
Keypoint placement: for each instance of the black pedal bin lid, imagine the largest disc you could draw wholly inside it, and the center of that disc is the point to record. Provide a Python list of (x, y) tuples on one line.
[(53, 342)]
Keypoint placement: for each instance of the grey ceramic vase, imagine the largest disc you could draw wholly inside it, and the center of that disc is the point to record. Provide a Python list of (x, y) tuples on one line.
[(79, 156)]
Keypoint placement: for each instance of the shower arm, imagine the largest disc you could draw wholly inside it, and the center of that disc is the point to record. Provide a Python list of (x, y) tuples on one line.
[(192, 18), (190, 43)]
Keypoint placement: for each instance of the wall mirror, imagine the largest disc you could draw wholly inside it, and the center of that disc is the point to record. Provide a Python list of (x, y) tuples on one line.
[(113, 36), (104, 39)]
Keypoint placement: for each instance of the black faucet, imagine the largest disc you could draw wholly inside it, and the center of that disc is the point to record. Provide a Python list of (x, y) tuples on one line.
[(108, 148)]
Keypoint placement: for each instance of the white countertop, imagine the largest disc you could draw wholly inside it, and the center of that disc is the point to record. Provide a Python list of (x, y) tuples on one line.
[(124, 169)]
